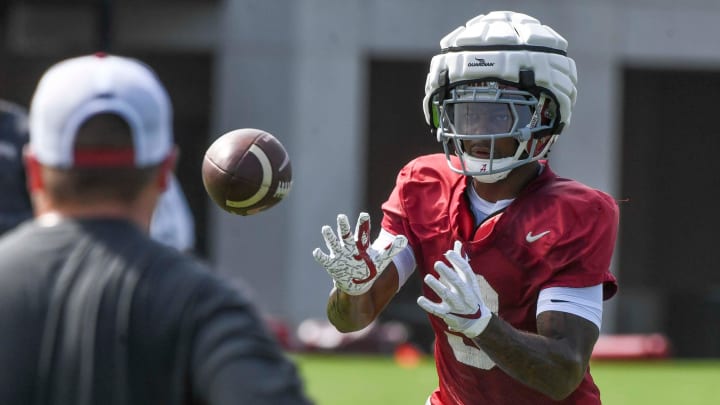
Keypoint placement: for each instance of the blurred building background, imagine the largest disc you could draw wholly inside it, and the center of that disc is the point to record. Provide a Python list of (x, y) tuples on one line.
[(340, 83)]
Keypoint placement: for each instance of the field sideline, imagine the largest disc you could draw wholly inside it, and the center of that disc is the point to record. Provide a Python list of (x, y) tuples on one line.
[(363, 379)]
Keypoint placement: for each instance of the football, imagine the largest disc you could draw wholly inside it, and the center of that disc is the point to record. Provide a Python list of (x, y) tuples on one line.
[(246, 171)]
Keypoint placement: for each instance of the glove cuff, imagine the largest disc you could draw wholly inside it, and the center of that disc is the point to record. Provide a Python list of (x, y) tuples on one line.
[(358, 289), (479, 325)]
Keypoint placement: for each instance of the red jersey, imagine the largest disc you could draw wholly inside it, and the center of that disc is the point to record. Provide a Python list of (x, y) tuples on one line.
[(556, 233)]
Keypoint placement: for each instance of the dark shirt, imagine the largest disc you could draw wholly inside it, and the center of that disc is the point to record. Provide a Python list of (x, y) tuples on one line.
[(95, 312)]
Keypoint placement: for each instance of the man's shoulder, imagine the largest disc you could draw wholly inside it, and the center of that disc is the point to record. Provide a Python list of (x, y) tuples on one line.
[(27, 238), (427, 169), (435, 161), (568, 192), (424, 190), (183, 274), (168, 262), (561, 205)]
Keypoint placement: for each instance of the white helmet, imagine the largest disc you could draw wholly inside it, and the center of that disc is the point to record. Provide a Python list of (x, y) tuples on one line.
[(500, 61)]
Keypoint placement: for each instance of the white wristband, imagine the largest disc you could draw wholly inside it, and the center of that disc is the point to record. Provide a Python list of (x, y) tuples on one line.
[(479, 326), (404, 261)]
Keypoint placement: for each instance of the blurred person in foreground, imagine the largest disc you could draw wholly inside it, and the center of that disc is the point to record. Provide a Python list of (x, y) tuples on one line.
[(515, 259), (93, 310), (15, 206)]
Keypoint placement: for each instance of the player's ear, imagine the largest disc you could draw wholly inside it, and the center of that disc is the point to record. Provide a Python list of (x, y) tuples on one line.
[(33, 170), (167, 167)]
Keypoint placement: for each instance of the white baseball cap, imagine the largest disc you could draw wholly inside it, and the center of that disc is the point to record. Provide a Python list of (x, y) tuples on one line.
[(76, 89)]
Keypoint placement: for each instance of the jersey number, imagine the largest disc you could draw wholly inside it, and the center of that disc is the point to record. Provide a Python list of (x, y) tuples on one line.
[(472, 355)]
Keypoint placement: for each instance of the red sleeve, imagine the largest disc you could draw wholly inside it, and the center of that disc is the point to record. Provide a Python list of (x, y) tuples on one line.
[(421, 196), (583, 254), (394, 217)]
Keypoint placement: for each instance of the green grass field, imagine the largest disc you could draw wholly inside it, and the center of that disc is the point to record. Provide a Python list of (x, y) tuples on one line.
[(356, 379)]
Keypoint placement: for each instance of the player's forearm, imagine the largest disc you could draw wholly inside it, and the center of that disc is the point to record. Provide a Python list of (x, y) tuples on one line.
[(349, 313), (546, 364)]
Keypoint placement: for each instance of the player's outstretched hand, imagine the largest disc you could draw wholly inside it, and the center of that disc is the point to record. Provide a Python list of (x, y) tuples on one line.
[(352, 263), (462, 306)]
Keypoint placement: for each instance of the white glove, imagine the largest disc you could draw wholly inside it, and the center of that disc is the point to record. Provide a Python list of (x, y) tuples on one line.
[(462, 306), (352, 263)]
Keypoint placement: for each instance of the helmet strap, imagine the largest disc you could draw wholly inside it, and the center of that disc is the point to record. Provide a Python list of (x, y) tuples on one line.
[(442, 94), (543, 116)]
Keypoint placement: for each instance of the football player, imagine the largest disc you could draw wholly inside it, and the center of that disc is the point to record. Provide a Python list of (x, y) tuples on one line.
[(515, 259)]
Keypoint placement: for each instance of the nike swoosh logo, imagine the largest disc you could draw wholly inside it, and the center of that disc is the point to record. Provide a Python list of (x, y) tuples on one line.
[(532, 238)]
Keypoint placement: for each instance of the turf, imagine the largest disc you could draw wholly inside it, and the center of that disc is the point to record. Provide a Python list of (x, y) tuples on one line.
[(686, 382), (349, 380), (356, 379)]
